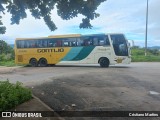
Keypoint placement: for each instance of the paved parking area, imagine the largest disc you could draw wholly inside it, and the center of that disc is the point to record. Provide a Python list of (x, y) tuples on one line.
[(89, 87)]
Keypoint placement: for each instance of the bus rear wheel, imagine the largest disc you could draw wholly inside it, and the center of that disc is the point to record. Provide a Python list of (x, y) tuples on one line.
[(43, 62), (104, 62), (33, 62)]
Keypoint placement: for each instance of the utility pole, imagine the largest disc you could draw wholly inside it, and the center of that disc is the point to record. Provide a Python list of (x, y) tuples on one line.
[(146, 30)]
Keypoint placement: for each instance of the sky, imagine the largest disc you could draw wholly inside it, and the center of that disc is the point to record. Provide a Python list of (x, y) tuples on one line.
[(116, 16)]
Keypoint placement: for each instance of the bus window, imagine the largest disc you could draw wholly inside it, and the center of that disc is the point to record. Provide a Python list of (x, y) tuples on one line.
[(20, 44), (86, 41), (79, 42), (71, 42), (119, 45), (51, 43), (58, 43), (32, 44), (95, 41), (40, 43), (65, 43), (100, 40), (45, 43)]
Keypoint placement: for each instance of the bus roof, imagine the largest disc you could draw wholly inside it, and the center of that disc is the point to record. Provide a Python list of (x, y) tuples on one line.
[(67, 36), (31, 38), (94, 34), (64, 36)]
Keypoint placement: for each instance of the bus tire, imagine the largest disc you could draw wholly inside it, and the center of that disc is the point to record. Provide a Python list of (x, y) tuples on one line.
[(33, 62), (104, 62), (43, 62)]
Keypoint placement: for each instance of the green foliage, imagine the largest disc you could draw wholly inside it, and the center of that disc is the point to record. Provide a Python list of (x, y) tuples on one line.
[(12, 95), (7, 63), (5, 48), (2, 28), (138, 55), (154, 52), (6, 51), (66, 9)]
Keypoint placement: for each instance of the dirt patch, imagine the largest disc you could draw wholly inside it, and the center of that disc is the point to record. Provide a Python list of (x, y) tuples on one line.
[(7, 70)]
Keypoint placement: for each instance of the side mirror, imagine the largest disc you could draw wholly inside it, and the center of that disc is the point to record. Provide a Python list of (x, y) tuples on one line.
[(131, 43)]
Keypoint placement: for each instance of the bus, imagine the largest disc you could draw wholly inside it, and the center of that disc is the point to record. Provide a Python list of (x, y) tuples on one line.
[(102, 49)]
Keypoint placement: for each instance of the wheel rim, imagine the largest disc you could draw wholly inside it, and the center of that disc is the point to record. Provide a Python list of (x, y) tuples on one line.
[(33, 62), (104, 63), (43, 62)]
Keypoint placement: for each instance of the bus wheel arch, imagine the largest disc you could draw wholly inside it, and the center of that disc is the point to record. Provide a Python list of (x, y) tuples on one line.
[(104, 62), (43, 62), (33, 62)]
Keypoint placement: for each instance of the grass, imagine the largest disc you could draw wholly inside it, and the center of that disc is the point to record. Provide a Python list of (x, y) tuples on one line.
[(12, 95), (149, 58), (138, 55), (7, 63)]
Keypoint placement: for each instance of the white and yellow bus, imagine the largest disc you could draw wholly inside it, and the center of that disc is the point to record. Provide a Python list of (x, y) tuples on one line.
[(104, 49)]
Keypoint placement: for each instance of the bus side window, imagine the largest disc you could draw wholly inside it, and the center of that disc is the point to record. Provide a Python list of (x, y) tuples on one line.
[(69, 42), (74, 43), (102, 41), (95, 41), (58, 43), (51, 43), (40, 44), (33, 45), (18, 44), (86, 41), (79, 42), (45, 43), (21, 44), (65, 42)]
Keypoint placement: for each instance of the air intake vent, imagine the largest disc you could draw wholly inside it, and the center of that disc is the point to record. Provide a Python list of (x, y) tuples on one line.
[(20, 58)]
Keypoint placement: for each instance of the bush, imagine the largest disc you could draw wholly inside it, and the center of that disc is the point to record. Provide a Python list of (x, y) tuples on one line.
[(6, 51), (6, 57), (10, 63), (12, 95)]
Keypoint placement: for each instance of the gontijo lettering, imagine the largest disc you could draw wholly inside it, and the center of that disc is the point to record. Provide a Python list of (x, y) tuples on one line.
[(50, 50)]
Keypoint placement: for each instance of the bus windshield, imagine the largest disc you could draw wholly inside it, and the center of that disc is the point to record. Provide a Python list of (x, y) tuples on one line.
[(119, 45)]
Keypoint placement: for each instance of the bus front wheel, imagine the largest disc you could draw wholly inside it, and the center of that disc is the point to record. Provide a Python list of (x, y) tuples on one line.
[(104, 62), (33, 62), (43, 62)]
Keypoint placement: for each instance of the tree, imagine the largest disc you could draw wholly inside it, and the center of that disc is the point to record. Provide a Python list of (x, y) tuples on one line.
[(5, 48), (66, 9), (2, 28), (6, 51)]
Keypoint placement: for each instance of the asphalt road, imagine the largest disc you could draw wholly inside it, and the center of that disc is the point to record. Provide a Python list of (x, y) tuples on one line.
[(123, 87)]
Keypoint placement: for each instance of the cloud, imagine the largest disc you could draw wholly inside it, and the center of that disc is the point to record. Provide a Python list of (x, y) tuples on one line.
[(129, 17), (120, 16)]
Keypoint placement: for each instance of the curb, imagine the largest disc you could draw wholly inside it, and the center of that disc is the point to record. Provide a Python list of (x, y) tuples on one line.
[(56, 115)]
